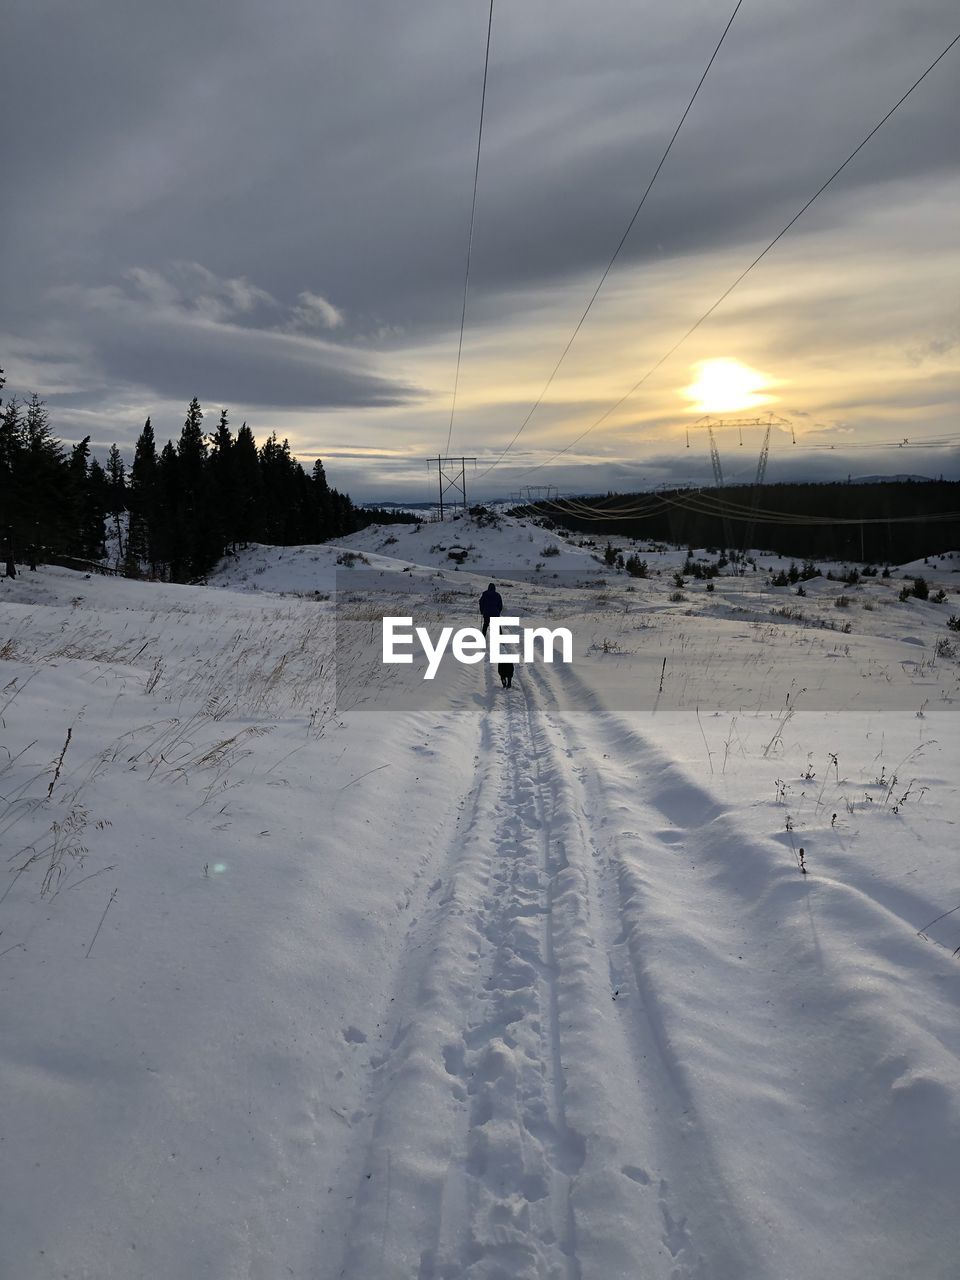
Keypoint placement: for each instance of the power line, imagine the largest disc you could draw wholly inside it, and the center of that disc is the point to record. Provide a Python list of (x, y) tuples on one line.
[(743, 274), (623, 240), (939, 442), (473, 215), (708, 503), (925, 443), (646, 505), (704, 504)]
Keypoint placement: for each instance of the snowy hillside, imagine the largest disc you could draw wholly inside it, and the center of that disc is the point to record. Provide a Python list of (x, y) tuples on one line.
[(458, 545), (632, 970)]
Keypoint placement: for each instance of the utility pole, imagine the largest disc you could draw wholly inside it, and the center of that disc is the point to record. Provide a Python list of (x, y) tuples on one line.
[(452, 474)]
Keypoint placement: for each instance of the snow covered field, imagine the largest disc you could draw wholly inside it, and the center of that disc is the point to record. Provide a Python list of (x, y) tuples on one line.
[(521, 983)]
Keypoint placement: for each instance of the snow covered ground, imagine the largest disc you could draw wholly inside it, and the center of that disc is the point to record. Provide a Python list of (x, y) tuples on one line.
[(521, 983)]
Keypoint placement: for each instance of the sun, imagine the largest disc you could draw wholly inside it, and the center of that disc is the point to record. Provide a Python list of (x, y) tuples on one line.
[(725, 386)]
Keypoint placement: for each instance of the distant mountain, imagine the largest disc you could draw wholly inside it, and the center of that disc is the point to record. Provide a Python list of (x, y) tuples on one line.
[(891, 479), (400, 506)]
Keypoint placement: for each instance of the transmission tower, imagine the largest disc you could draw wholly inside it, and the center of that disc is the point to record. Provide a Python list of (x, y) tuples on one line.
[(768, 423), (541, 493), (452, 474), (755, 496), (715, 458), (717, 473), (772, 420)]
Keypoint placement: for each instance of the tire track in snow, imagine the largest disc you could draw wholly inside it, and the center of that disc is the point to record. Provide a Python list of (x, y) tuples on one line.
[(522, 1125), (470, 1158), (525, 1122), (673, 1172), (521, 1154), (411, 1107)]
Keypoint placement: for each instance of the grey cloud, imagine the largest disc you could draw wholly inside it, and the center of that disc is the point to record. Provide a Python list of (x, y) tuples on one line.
[(182, 335), (935, 348), (196, 291), (241, 367), (308, 165), (342, 139), (314, 312)]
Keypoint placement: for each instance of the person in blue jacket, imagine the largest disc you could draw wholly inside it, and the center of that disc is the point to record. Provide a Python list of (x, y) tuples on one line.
[(491, 605)]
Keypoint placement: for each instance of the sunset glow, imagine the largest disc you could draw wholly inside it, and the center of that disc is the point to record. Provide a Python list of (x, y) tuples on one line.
[(726, 386)]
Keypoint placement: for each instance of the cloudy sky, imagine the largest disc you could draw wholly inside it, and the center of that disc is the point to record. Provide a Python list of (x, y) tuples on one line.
[(267, 206)]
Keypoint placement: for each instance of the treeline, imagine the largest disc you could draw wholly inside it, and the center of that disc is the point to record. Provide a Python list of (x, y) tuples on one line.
[(175, 511), (892, 520)]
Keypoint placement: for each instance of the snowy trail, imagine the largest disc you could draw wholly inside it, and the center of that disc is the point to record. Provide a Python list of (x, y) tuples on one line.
[(470, 1155), (522, 1127)]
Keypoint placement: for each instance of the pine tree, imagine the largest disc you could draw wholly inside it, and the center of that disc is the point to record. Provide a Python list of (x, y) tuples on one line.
[(185, 506), (192, 449), (192, 456), (78, 497), (193, 518), (42, 518), (276, 467), (169, 544), (222, 490), (144, 500), (247, 487), (96, 509), (9, 444), (117, 495), (321, 507), (4, 497), (12, 448)]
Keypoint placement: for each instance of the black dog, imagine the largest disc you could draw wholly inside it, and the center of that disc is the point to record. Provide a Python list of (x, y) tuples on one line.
[(505, 672)]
